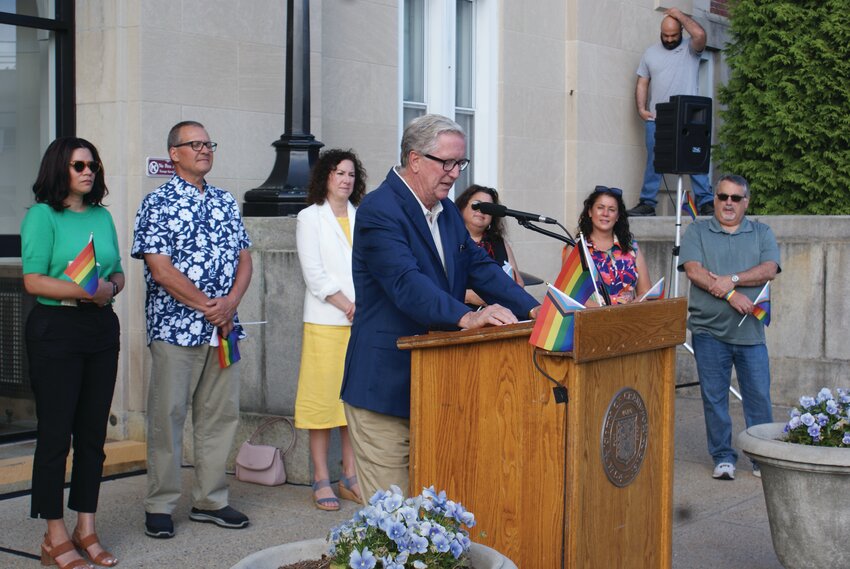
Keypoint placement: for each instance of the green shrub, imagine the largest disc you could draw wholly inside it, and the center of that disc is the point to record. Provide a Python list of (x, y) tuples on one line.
[(786, 123)]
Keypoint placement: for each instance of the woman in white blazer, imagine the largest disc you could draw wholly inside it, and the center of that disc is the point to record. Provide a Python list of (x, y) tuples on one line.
[(324, 237)]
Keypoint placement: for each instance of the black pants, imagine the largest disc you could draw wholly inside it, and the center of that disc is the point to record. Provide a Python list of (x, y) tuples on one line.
[(73, 359)]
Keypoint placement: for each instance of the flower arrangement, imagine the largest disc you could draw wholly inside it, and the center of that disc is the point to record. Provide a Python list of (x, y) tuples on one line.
[(421, 532), (823, 420)]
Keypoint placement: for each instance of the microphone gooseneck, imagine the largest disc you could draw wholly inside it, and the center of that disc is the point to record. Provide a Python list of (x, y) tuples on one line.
[(497, 210)]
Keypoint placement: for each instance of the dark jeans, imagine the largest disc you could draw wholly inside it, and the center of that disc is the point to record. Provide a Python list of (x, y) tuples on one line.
[(73, 359)]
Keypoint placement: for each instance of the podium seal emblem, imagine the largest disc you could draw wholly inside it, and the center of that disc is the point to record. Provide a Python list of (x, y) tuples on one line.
[(625, 431)]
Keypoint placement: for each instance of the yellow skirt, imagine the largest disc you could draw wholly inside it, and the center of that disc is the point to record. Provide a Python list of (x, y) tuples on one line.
[(317, 402)]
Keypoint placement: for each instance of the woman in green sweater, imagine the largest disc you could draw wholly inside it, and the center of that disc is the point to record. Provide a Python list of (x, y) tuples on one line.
[(72, 339)]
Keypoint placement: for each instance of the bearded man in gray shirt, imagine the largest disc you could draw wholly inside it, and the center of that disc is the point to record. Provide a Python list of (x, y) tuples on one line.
[(668, 68)]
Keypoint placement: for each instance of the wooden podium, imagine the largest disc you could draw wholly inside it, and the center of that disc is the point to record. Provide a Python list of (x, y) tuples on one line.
[(582, 484)]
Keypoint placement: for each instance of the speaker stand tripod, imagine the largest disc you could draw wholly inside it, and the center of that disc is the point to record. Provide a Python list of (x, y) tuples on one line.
[(674, 269)]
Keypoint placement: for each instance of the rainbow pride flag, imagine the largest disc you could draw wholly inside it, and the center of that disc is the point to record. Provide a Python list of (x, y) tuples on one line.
[(83, 269), (761, 310), (553, 330), (656, 292), (228, 349), (688, 205), (573, 279)]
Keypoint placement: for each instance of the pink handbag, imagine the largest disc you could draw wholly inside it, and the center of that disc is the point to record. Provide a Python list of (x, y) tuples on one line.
[(263, 464)]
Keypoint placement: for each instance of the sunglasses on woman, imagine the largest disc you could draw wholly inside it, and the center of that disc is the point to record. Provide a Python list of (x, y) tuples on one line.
[(616, 191), (80, 165)]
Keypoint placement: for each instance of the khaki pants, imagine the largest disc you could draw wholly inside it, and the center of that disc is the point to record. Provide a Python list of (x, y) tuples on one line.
[(381, 448), (183, 376)]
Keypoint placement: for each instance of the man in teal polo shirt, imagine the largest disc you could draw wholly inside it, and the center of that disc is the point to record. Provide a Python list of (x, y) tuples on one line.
[(728, 259)]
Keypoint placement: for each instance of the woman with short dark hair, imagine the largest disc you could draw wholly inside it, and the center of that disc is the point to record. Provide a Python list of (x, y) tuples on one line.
[(72, 335)]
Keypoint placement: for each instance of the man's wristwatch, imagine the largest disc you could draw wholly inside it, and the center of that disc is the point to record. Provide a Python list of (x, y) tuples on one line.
[(735, 279)]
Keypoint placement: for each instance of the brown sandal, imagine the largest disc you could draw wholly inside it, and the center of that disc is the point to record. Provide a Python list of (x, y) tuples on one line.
[(104, 559), (49, 553), (346, 490)]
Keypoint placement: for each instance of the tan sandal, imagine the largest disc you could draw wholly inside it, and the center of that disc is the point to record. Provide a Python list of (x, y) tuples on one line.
[(49, 553), (345, 489), (104, 558)]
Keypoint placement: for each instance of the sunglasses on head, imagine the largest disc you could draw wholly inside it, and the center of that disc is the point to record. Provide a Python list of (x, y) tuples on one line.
[(616, 191), (80, 165), (735, 198)]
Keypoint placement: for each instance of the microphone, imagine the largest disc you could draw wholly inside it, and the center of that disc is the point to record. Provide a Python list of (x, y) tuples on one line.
[(497, 210)]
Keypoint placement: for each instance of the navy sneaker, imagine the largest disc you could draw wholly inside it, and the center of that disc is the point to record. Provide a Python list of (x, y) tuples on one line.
[(226, 517), (159, 526)]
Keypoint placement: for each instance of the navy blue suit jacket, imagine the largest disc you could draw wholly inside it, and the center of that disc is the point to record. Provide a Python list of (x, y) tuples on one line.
[(401, 289)]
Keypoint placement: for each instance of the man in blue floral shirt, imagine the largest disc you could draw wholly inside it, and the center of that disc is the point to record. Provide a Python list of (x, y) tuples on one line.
[(197, 268)]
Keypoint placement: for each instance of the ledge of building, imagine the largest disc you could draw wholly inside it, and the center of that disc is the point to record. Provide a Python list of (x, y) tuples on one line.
[(121, 456)]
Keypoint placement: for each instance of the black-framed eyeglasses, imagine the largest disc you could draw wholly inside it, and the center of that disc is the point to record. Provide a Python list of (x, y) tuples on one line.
[(198, 144), (449, 165), (616, 191), (79, 166), (734, 197)]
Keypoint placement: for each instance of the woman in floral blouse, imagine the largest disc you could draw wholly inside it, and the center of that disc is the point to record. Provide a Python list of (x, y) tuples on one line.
[(620, 263)]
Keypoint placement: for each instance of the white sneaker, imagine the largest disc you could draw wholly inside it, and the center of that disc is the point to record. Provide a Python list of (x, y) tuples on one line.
[(756, 471), (724, 471)]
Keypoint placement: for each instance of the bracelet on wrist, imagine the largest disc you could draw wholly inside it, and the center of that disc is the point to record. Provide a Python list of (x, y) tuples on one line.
[(729, 294)]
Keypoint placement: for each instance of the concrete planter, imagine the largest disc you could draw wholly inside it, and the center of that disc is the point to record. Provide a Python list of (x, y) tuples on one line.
[(480, 556), (807, 498)]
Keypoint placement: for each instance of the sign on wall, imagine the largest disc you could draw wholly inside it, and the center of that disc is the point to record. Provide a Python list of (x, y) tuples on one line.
[(159, 167)]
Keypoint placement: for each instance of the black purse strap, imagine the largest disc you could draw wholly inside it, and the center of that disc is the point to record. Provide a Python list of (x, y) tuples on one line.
[(268, 423)]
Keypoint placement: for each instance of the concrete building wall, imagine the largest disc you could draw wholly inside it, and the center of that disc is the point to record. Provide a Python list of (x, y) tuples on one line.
[(359, 77), (534, 143)]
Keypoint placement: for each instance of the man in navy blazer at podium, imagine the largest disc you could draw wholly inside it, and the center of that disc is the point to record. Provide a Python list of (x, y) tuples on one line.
[(412, 262)]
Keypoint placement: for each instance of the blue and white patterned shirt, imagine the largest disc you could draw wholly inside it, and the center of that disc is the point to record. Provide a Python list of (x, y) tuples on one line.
[(203, 234)]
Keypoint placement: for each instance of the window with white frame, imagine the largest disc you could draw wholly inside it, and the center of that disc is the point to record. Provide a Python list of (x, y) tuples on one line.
[(447, 67)]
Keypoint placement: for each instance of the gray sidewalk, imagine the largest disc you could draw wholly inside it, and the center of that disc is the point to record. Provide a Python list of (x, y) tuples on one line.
[(716, 524)]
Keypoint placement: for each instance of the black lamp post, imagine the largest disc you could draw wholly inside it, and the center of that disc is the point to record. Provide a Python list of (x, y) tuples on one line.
[(285, 190)]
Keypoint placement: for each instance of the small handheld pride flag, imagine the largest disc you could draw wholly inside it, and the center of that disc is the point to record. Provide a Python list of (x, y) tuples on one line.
[(761, 310), (688, 205), (228, 349), (656, 292), (83, 269)]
